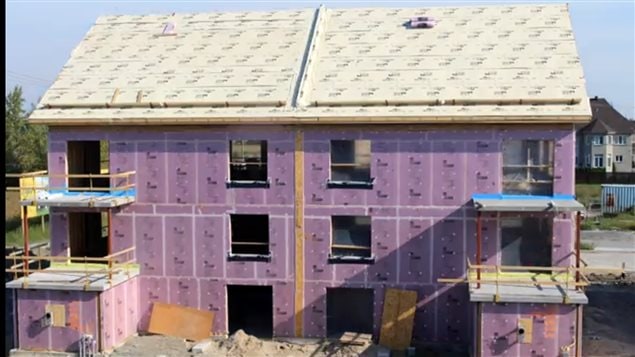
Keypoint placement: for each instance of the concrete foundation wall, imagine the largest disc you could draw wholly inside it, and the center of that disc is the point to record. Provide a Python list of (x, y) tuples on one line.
[(554, 327), (423, 227)]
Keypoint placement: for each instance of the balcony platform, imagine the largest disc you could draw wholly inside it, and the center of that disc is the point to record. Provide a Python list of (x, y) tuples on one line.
[(521, 293), (83, 199), (526, 203), (77, 277)]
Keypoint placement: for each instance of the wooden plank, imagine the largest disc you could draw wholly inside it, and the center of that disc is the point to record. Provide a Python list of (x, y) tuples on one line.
[(405, 318), (398, 319), (354, 338), (527, 325), (179, 321), (299, 231), (389, 318)]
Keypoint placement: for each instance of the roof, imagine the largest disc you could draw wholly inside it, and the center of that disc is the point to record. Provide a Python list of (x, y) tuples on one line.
[(526, 203), (607, 120), (502, 64)]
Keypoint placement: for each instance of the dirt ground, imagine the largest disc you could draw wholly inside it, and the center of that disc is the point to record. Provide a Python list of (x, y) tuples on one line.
[(608, 328), (239, 344), (609, 319)]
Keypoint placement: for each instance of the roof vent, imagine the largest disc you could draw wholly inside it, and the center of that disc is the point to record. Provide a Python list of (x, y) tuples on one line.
[(169, 29), (422, 22)]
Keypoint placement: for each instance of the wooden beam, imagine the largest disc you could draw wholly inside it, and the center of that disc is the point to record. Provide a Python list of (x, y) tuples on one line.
[(299, 231)]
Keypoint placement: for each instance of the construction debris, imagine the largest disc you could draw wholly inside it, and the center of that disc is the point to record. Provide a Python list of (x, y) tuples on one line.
[(179, 321), (354, 338)]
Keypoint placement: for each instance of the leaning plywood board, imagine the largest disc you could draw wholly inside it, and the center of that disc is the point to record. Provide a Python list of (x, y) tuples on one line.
[(398, 318), (180, 321)]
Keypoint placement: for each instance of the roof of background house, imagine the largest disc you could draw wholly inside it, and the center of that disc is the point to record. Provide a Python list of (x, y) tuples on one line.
[(504, 64), (607, 119)]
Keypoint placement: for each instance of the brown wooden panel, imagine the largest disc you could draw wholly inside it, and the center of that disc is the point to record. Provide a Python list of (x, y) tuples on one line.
[(398, 319), (179, 321), (405, 319), (389, 318)]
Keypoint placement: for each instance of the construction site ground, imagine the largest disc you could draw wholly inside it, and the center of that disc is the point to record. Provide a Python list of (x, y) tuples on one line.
[(609, 330)]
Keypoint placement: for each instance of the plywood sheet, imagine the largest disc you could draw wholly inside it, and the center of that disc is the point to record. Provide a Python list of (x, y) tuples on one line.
[(398, 318), (180, 321)]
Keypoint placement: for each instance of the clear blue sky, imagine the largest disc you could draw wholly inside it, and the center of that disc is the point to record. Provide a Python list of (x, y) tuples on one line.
[(41, 35)]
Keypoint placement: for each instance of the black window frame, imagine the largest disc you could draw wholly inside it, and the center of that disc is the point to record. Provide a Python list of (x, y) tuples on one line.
[(262, 179), (248, 230), (337, 250), (336, 164)]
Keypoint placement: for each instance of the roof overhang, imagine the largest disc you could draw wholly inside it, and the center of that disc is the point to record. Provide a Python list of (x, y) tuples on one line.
[(521, 203)]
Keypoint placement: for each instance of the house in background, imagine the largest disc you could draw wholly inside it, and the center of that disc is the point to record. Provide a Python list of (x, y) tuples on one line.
[(285, 169), (608, 141)]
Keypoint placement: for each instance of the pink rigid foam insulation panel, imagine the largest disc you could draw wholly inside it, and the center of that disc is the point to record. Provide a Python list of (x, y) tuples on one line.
[(553, 327), (423, 223), (119, 313)]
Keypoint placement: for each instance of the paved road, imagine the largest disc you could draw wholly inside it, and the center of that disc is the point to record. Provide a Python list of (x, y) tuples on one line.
[(611, 249)]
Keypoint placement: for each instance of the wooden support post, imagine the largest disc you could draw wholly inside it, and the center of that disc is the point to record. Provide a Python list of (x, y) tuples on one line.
[(110, 245), (25, 231), (299, 232), (578, 219), (478, 249)]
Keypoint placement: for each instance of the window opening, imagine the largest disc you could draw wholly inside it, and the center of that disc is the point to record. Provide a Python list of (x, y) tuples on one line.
[(350, 163), (88, 234), (351, 237), (528, 167), (526, 241), (88, 157), (249, 235), (248, 162), (598, 160)]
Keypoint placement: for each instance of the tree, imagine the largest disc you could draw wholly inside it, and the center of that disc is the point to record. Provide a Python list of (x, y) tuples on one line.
[(25, 144)]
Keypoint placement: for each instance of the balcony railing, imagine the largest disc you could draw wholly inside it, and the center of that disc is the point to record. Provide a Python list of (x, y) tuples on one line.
[(565, 279), (40, 189), (31, 270)]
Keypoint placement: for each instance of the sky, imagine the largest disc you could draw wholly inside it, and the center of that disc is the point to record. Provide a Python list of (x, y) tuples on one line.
[(40, 35)]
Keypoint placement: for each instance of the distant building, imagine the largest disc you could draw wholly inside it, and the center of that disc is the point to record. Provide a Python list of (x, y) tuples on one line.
[(608, 141)]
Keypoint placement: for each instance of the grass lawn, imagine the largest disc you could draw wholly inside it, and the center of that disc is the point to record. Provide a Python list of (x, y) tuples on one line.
[(588, 193), (622, 222), (13, 232)]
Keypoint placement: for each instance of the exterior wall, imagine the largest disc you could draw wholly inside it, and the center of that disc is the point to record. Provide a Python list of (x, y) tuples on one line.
[(423, 226), (554, 326), (111, 323), (81, 318), (627, 152)]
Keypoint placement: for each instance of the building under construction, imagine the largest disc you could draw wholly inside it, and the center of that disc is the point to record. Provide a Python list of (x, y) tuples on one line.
[(286, 169)]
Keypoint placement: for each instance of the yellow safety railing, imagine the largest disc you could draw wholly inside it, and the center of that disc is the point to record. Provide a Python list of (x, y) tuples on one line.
[(566, 277), (124, 183), (85, 267)]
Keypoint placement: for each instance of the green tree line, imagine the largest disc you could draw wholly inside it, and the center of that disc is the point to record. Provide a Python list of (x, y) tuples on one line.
[(25, 144)]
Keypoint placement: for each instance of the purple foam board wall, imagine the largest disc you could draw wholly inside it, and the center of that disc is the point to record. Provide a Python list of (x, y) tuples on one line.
[(181, 172), (179, 248), (415, 253), (283, 308), (119, 313), (213, 163), (81, 317), (314, 319), (276, 269), (452, 314), (122, 159), (553, 328), (489, 242), (563, 241), (317, 172), (122, 232), (384, 243), (316, 249), (383, 167), (212, 298), (415, 162), (149, 244), (281, 173), (151, 289), (483, 167), (151, 172), (448, 248), (57, 163), (59, 233), (209, 257), (448, 167), (184, 292)]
